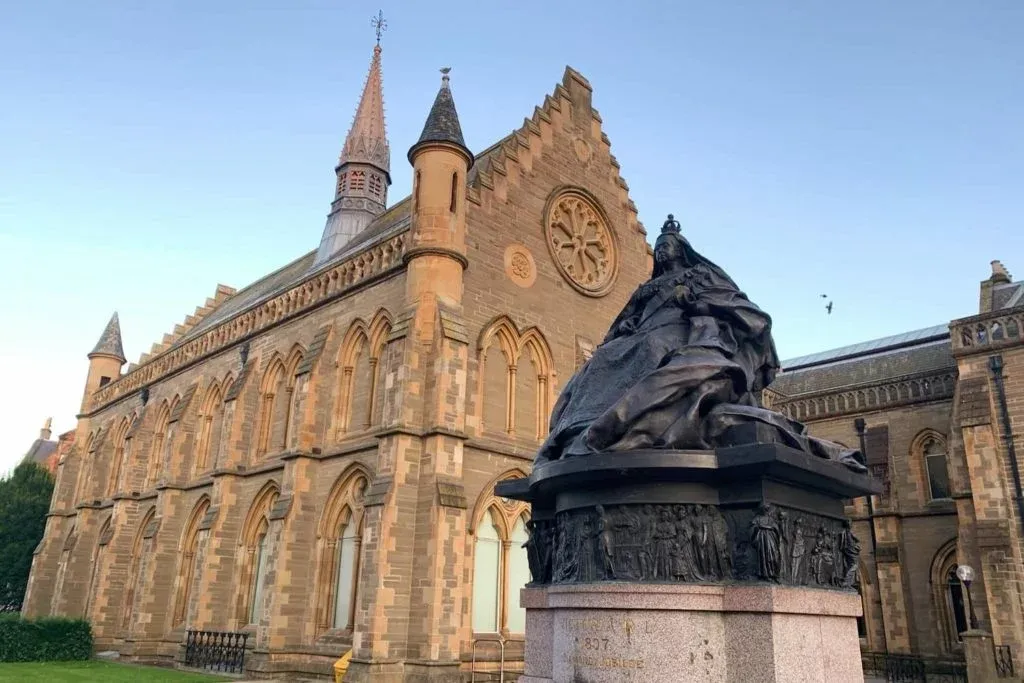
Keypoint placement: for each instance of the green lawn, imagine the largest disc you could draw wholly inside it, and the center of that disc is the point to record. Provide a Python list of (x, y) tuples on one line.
[(90, 672)]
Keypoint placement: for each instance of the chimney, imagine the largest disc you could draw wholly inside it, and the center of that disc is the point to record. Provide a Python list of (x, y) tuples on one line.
[(45, 432)]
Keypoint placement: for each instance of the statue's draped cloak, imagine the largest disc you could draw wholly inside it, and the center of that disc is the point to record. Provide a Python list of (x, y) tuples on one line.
[(685, 360)]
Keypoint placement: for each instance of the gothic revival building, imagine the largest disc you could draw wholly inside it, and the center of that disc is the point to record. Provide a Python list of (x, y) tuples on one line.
[(311, 459), (940, 413)]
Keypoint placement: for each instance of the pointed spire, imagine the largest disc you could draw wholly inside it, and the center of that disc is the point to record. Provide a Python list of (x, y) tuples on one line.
[(442, 124), (110, 341), (367, 141)]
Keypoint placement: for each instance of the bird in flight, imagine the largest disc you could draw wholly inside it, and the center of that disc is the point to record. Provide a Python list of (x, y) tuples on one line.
[(828, 307)]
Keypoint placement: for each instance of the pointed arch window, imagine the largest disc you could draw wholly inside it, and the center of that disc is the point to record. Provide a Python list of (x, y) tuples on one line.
[(362, 375), (161, 444), (211, 427), (956, 610), (500, 569), (486, 577), (259, 574), (515, 375), (257, 556), (117, 462), (345, 581), (188, 569), (278, 408), (936, 468)]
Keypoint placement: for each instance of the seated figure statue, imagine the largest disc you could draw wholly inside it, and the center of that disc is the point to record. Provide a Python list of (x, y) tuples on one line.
[(685, 361)]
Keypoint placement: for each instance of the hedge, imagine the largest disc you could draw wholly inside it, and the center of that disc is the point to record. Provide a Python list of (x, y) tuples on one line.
[(49, 639)]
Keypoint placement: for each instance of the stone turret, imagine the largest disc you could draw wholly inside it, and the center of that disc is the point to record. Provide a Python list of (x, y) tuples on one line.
[(105, 359), (441, 161), (363, 171)]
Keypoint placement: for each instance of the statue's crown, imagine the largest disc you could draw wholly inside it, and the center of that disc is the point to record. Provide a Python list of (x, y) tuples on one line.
[(671, 226)]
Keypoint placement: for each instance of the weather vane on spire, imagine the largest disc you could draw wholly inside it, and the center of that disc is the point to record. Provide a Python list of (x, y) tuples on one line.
[(379, 24)]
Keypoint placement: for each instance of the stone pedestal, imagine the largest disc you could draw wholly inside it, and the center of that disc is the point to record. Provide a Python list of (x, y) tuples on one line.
[(669, 633), (733, 565)]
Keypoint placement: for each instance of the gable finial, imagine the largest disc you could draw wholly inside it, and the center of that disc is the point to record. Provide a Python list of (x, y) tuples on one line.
[(444, 76), (379, 24)]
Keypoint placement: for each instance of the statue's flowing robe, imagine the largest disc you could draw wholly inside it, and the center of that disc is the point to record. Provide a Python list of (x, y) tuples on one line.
[(685, 360)]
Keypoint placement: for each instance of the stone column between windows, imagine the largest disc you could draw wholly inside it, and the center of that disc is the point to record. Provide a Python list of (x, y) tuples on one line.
[(436, 620), (891, 587)]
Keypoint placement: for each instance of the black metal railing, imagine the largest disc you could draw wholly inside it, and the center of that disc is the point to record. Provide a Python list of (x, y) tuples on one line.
[(911, 669), (1004, 661), (220, 651)]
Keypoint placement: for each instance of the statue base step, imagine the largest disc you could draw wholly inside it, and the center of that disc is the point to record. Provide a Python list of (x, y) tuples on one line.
[(633, 632)]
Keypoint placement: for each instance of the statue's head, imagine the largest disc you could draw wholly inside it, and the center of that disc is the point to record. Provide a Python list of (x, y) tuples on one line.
[(671, 248)]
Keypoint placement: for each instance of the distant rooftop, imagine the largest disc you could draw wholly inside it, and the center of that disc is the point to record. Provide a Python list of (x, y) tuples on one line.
[(876, 346)]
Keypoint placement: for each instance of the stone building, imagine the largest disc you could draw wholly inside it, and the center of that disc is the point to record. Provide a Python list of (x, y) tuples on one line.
[(46, 452), (310, 460), (941, 413)]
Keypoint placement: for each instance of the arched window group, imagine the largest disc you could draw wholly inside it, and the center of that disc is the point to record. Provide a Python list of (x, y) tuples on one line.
[(500, 567), (361, 401), (516, 379), (277, 404), (162, 441), (211, 426), (118, 460), (339, 547)]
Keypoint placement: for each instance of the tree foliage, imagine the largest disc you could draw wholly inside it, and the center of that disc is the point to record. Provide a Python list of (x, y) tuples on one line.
[(24, 502)]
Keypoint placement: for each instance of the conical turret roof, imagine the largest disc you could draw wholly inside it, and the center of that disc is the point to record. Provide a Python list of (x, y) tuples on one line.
[(443, 122), (110, 341)]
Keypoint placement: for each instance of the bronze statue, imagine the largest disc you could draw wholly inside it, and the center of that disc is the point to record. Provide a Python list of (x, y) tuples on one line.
[(683, 363)]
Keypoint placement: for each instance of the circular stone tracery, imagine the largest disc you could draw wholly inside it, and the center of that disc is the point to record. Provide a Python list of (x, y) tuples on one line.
[(581, 243)]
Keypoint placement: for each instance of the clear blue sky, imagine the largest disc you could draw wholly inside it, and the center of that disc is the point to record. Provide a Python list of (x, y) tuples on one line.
[(870, 150)]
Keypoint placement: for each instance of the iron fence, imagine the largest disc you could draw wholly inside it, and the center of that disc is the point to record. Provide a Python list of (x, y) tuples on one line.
[(911, 669), (221, 651), (1004, 661)]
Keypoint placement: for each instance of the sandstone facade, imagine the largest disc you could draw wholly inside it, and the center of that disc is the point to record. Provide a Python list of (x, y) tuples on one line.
[(311, 459), (942, 430)]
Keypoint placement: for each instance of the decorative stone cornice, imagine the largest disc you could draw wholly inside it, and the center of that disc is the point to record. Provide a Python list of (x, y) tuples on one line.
[(311, 292), (988, 332), (885, 395)]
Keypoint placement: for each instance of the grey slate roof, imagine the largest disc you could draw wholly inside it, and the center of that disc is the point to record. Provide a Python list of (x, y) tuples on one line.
[(391, 222), (1008, 295), (41, 450), (110, 341), (442, 123), (921, 351)]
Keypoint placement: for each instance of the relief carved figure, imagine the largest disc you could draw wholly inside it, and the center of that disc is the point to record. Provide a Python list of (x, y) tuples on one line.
[(692, 543), (766, 540), (683, 363)]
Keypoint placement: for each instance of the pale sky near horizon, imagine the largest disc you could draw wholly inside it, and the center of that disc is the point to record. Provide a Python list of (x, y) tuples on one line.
[(871, 151)]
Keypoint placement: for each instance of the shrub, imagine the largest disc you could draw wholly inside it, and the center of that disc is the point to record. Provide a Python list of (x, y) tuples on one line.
[(48, 639)]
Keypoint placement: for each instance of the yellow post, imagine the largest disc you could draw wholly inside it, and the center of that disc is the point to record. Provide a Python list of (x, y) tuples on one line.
[(341, 666)]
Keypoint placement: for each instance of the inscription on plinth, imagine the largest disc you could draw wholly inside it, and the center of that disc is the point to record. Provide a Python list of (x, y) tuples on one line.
[(626, 647)]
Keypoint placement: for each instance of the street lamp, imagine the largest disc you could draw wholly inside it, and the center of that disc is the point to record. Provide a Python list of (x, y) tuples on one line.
[(966, 575)]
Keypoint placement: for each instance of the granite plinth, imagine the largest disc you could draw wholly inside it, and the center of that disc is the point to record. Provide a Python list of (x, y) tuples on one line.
[(619, 633)]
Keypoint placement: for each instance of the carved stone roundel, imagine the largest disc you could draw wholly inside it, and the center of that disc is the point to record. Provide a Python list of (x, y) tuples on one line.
[(581, 243)]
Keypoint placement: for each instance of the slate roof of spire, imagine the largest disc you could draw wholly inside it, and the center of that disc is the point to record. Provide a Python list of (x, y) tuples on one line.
[(443, 122), (110, 341)]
